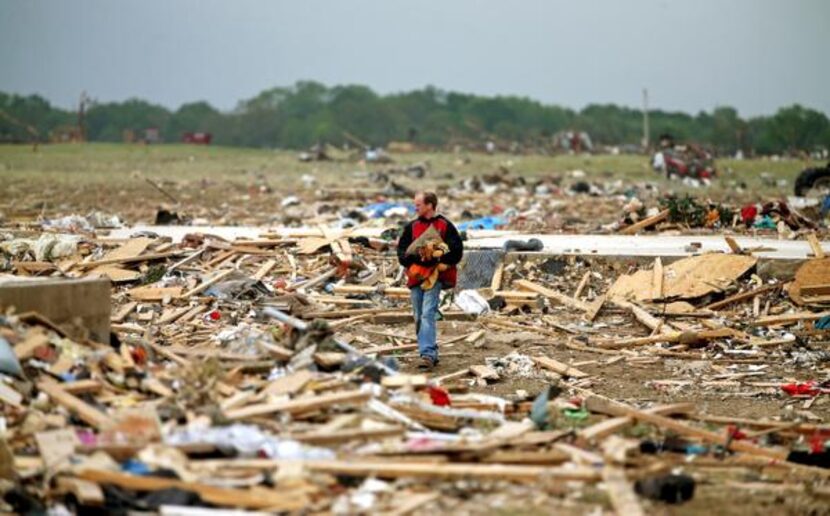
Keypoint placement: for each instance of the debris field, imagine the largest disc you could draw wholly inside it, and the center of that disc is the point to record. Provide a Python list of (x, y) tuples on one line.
[(263, 356)]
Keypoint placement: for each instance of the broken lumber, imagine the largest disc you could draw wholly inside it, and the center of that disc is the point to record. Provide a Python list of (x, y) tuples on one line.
[(255, 498), (207, 284), (717, 305), (559, 367), (815, 246), (705, 435), (621, 492), (552, 294), (645, 223), (613, 425), (389, 469), (299, 405), (90, 415)]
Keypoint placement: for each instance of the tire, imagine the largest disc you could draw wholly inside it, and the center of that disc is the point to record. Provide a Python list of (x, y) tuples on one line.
[(812, 178)]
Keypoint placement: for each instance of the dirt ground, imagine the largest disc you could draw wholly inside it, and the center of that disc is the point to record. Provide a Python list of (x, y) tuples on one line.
[(236, 187)]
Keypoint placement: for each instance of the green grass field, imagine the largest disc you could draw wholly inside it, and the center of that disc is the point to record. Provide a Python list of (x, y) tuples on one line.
[(105, 166)]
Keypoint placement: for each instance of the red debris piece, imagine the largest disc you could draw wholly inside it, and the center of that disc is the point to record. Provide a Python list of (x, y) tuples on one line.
[(735, 433), (801, 389), (439, 396)]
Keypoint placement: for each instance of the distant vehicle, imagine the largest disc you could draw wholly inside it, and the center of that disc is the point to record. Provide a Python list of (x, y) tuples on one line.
[(682, 161), (197, 138), (573, 141), (813, 182)]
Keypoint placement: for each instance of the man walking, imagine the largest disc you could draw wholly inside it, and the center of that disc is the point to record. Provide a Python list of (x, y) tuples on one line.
[(430, 266)]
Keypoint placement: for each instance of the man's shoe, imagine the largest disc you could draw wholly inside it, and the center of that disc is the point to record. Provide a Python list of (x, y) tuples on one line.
[(426, 363)]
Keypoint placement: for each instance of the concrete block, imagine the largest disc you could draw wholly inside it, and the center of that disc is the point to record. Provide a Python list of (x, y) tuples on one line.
[(64, 302)]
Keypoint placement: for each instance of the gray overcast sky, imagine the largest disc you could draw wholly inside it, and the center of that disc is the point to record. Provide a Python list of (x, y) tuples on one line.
[(756, 55)]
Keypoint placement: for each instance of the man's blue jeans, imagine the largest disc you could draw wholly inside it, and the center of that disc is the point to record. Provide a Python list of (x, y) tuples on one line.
[(425, 306)]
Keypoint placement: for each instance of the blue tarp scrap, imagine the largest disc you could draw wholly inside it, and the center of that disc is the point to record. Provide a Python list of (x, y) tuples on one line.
[(488, 222), (378, 209)]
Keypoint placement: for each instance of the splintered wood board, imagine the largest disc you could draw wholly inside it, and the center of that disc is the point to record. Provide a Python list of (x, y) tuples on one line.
[(688, 278)]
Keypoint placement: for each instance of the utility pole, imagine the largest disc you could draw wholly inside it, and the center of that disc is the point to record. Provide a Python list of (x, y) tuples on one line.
[(645, 120), (84, 100)]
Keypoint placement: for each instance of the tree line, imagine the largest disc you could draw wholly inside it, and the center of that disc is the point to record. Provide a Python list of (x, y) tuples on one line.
[(309, 112)]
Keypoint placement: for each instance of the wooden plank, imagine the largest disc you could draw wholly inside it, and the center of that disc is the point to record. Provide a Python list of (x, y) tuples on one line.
[(603, 429), (115, 274), (648, 320), (163, 351), (182, 510), (452, 376), (406, 503), (289, 384), (83, 386), (143, 258), (645, 223), (498, 274), (705, 435), (85, 412), (816, 290), (388, 349), (265, 269), (221, 257), (238, 399), (802, 428), (277, 351), (582, 284), (172, 315), (621, 492), (155, 386), (156, 294), (343, 436), (186, 260), (657, 281), (123, 312), (578, 455), (391, 469), (35, 338), (670, 337), (733, 245), (368, 289), (254, 498), (491, 471), (207, 284), (619, 450), (815, 245), (404, 380), (687, 278), (559, 367), (130, 249), (717, 305), (10, 396), (552, 294), (299, 405), (595, 307), (475, 336), (550, 457), (33, 267), (785, 319), (329, 359), (192, 314)]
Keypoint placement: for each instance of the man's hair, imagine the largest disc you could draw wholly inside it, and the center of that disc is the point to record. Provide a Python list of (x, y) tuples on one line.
[(430, 198)]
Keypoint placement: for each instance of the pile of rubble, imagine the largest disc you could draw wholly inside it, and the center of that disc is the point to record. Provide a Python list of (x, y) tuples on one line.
[(273, 371)]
